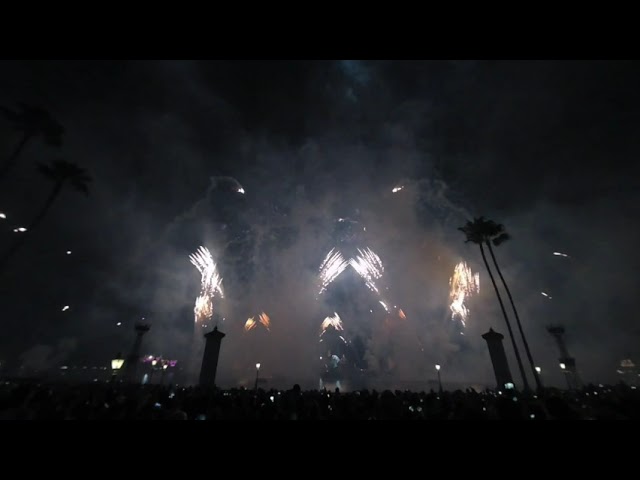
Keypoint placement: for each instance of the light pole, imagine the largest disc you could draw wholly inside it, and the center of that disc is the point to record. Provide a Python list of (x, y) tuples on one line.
[(439, 379), (257, 373), (563, 367), (116, 365)]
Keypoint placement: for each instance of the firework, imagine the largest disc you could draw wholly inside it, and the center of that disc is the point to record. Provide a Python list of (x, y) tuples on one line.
[(369, 267), (249, 324), (384, 305), (334, 322), (264, 320), (332, 266), (463, 284), (252, 323), (401, 314), (211, 284)]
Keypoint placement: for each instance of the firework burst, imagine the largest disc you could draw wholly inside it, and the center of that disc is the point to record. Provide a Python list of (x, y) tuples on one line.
[(210, 284), (369, 267), (463, 284), (332, 266), (333, 321)]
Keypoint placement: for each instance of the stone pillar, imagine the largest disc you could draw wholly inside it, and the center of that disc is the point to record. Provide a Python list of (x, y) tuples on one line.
[(210, 357)]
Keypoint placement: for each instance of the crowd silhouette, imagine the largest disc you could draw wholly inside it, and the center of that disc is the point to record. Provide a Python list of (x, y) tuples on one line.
[(31, 401)]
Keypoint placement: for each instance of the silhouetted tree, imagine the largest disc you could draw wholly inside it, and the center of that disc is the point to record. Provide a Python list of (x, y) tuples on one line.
[(61, 173), (30, 121), (498, 235), (479, 231)]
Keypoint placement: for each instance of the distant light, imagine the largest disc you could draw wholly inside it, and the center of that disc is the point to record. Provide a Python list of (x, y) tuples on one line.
[(116, 363), (532, 416), (633, 388), (20, 229), (558, 254), (601, 385), (241, 190), (538, 369), (64, 367), (118, 324), (257, 366), (546, 295), (68, 252), (65, 308), (397, 189), (164, 367), (3, 216), (437, 367), (563, 366)]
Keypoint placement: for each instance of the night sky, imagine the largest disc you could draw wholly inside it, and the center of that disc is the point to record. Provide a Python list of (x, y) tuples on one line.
[(548, 148)]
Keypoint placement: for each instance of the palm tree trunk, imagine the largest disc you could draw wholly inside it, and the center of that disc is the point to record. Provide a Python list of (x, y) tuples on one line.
[(515, 312), (525, 382), (4, 259), (11, 162)]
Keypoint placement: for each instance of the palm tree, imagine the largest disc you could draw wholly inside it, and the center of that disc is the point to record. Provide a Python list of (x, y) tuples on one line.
[(478, 232), (498, 235), (61, 173), (31, 121)]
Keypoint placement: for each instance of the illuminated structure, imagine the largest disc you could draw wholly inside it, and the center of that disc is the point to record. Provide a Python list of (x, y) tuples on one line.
[(131, 363), (498, 358), (210, 357), (567, 362), (629, 372)]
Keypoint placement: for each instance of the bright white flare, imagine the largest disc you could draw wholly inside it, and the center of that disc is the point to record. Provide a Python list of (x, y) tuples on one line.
[(463, 284), (241, 190), (3, 216), (546, 295), (334, 322), (211, 283), (384, 305), (332, 266), (65, 308), (397, 189), (20, 229), (558, 254)]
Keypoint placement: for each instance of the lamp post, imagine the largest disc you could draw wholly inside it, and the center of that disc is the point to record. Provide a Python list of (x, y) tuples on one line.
[(116, 365), (563, 367), (257, 373), (439, 379)]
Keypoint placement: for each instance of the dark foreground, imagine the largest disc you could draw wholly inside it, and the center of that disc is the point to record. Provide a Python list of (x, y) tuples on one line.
[(31, 401)]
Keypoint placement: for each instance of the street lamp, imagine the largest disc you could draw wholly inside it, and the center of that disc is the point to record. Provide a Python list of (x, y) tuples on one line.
[(439, 379), (563, 367), (257, 373), (116, 364)]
